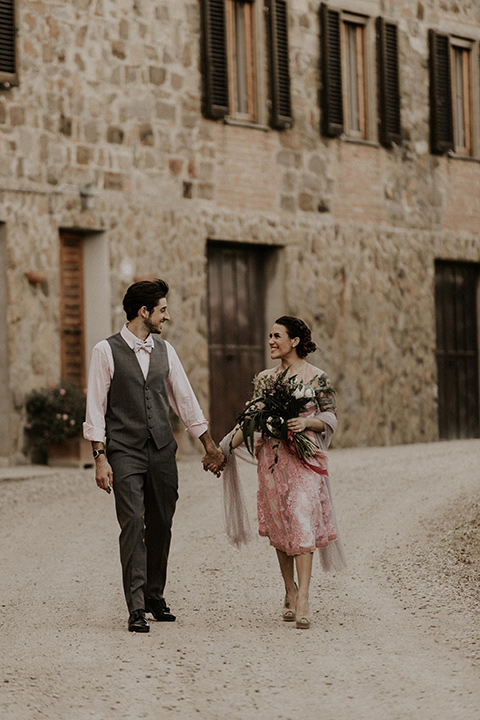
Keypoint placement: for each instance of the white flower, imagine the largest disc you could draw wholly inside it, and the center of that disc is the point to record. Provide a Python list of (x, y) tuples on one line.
[(269, 424), (298, 393), (309, 393)]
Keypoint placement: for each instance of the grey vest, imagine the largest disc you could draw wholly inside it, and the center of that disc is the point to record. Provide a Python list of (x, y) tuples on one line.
[(137, 408)]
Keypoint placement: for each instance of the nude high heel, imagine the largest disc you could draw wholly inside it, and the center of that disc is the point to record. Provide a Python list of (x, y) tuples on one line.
[(302, 622), (288, 614)]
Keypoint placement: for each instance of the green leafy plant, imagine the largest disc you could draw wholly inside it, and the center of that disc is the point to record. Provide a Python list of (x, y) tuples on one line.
[(55, 414)]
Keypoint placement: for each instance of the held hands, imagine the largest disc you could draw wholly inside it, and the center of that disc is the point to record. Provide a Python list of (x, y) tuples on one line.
[(214, 460), (297, 424), (103, 474)]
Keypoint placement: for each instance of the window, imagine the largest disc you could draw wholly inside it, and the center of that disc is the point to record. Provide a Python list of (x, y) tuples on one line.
[(461, 99), (8, 60), (454, 94), (241, 60), (353, 63), (234, 60), (349, 85)]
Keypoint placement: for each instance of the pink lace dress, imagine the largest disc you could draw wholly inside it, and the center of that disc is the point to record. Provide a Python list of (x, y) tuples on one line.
[(295, 509), (294, 502), (294, 506)]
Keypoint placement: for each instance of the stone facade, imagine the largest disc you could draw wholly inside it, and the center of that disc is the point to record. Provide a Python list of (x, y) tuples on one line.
[(110, 97)]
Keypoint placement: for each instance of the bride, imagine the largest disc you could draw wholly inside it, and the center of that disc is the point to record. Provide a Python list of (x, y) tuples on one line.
[(295, 510)]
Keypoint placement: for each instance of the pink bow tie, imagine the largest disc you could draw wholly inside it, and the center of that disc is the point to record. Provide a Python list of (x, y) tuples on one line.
[(143, 345)]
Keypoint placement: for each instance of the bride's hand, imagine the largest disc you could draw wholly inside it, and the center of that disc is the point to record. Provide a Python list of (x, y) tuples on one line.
[(297, 424), (214, 461)]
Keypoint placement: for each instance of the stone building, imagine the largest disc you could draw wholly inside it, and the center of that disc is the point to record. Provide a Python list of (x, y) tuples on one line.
[(264, 157)]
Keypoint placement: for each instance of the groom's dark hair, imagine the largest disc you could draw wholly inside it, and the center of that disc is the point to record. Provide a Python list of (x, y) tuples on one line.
[(144, 292)]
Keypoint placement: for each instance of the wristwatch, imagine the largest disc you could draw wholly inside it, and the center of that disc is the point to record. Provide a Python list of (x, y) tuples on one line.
[(96, 453)]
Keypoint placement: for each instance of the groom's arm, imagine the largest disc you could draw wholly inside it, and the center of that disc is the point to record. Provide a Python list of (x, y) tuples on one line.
[(214, 459)]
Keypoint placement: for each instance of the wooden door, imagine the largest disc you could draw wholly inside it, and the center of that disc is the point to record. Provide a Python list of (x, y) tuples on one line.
[(72, 332), (457, 349), (6, 445), (236, 310)]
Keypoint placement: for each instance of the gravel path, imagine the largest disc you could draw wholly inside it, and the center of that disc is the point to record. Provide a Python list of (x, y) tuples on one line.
[(395, 637)]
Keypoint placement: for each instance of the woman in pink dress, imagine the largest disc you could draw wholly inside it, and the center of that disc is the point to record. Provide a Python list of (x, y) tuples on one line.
[(294, 500)]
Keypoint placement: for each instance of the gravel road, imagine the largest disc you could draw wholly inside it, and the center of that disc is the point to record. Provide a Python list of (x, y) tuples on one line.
[(395, 637)]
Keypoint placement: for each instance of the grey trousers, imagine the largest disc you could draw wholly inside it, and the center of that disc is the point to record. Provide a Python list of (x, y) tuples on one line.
[(145, 484)]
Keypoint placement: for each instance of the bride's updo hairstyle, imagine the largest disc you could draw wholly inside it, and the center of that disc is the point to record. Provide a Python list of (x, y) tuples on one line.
[(296, 328)]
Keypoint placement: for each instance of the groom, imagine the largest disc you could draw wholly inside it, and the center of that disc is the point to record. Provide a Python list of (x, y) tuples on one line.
[(134, 379)]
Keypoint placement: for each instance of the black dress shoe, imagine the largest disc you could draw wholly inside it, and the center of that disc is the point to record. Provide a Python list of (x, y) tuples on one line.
[(137, 622), (158, 608)]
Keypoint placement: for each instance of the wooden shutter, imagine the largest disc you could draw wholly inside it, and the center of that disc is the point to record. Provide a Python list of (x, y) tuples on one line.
[(214, 60), (71, 308), (8, 60), (441, 120), (281, 110), (388, 83), (332, 101)]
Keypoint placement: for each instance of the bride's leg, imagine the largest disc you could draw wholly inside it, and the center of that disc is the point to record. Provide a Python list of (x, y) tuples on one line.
[(304, 573), (286, 568)]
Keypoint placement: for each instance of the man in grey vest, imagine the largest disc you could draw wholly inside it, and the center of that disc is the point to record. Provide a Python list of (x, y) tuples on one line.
[(134, 379)]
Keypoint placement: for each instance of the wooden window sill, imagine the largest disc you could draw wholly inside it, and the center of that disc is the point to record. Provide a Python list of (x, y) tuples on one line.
[(458, 156), (245, 123), (359, 141)]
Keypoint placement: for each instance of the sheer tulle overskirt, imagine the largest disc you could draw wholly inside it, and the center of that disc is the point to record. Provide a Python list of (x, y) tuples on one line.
[(237, 524)]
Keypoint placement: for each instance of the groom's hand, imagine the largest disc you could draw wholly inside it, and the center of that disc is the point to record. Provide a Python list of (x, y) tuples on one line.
[(103, 474), (214, 461)]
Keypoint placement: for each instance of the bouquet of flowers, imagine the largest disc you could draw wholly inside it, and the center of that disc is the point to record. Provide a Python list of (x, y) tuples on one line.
[(277, 398)]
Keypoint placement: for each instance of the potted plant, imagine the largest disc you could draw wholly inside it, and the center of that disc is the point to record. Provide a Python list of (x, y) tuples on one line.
[(55, 417)]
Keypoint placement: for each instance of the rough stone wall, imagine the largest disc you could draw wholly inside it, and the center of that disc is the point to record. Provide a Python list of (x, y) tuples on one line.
[(110, 94)]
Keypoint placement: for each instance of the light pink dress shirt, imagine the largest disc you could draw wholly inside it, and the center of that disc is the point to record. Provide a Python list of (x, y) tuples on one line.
[(180, 393)]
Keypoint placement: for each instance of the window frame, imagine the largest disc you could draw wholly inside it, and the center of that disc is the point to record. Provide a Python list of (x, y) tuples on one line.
[(443, 101), (467, 47), (354, 93), (365, 70), (269, 93), (251, 59), (336, 120)]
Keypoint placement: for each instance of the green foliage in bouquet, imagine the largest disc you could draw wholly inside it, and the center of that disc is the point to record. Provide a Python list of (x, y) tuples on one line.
[(277, 398), (55, 414)]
